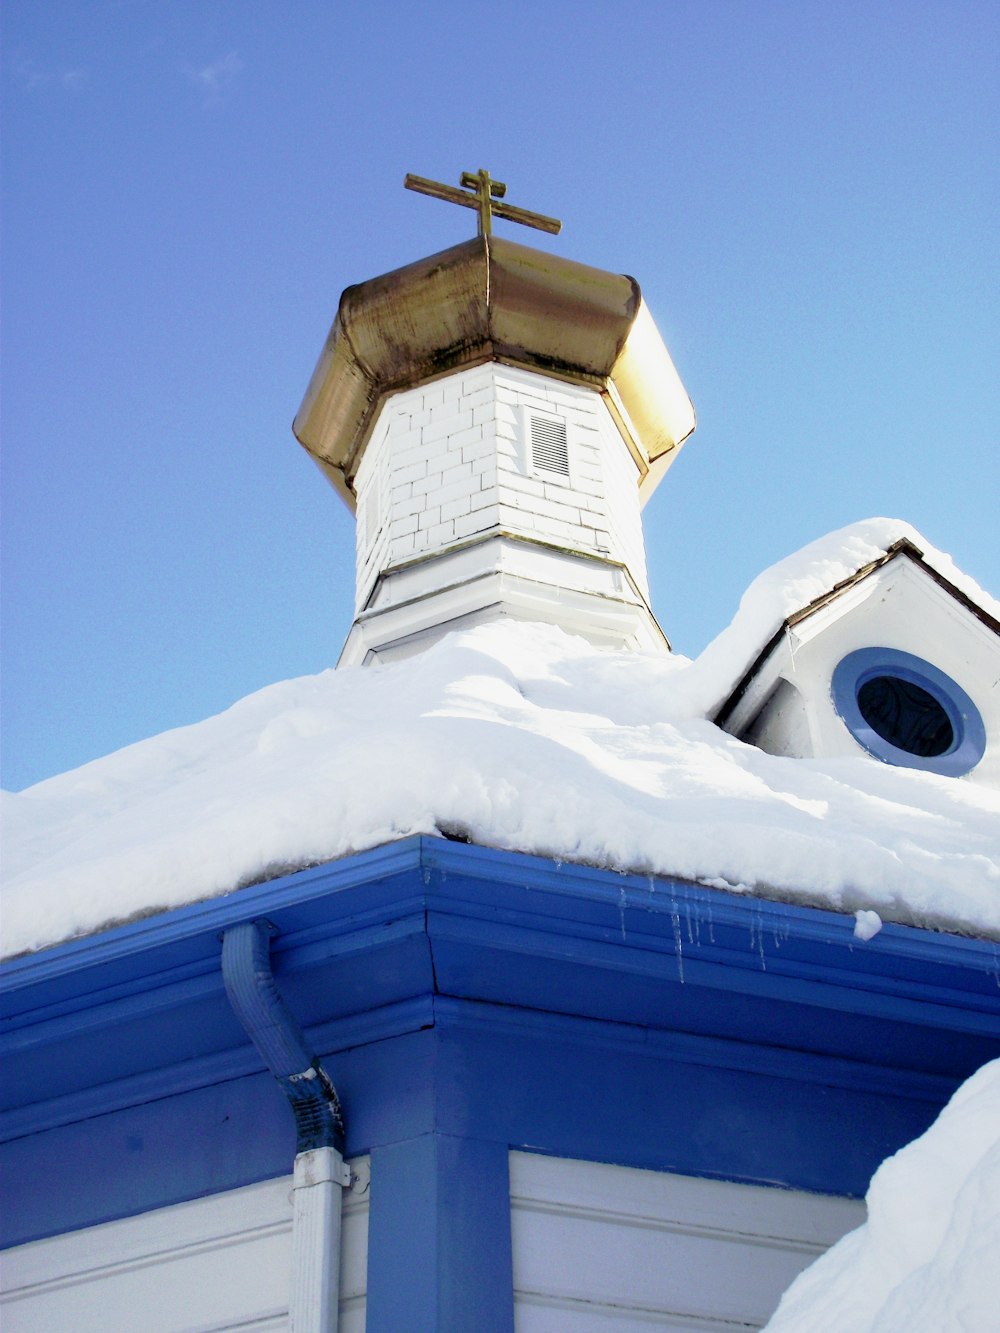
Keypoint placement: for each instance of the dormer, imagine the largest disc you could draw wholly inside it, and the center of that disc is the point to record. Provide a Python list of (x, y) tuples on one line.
[(895, 662)]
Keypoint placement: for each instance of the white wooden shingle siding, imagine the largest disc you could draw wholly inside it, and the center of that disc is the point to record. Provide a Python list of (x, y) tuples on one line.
[(605, 1248), (221, 1262), (452, 460)]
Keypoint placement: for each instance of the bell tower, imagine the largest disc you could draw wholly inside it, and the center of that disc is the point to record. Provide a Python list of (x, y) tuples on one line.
[(496, 416)]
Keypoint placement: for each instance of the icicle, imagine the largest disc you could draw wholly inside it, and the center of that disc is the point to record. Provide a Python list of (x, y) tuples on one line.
[(757, 936), (675, 918)]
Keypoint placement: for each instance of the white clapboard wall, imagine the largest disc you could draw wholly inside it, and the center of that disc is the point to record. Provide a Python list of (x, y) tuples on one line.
[(221, 1262), (600, 1248)]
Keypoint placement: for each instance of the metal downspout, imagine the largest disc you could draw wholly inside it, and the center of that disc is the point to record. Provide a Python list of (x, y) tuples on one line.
[(319, 1170)]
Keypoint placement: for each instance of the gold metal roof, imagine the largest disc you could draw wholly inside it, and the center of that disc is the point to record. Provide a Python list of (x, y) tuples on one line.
[(490, 299)]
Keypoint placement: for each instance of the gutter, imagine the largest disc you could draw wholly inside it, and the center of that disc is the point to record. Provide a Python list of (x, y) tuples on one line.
[(319, 1172)]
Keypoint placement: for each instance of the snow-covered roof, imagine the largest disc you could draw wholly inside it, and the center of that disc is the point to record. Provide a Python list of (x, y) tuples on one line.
[(518, 736)]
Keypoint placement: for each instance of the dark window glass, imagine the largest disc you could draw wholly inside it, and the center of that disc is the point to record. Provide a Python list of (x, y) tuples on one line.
[(906, 716)]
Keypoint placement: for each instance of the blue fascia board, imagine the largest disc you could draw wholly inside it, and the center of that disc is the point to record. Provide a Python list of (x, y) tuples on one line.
[(207, 1071), (185, 936), (625, 903), (378, 932), (417, 873), (699, 963), (541, 1082), (687, 1049)]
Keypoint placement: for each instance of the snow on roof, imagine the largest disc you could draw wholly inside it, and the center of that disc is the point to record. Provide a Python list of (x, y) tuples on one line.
[(801, 579), (522, 737), (926, 1258)]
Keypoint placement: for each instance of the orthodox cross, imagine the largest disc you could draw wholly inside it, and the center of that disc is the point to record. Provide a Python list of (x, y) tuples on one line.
[(481, 192)]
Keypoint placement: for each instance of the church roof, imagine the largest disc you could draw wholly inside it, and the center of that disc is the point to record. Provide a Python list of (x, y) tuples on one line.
[(517, 736)]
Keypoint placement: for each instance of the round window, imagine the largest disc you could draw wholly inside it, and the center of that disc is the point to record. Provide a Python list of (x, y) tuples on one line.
[(905, 711)]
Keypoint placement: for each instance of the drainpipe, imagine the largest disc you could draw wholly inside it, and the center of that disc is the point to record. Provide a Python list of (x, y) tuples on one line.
[(319, 1171)]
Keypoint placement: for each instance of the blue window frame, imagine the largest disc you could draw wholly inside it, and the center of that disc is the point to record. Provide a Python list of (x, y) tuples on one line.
[(905, 711)]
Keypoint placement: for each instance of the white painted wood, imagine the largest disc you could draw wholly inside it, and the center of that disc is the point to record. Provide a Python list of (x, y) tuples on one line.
[(787, 708), (221, 1262), (449, 467), (600, 1247)]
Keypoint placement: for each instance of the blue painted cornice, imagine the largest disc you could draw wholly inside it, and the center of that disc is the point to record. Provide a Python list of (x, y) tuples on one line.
[(382, 943)]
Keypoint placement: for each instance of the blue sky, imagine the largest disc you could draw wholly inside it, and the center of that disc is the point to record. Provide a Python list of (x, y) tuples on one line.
[(807, 193)]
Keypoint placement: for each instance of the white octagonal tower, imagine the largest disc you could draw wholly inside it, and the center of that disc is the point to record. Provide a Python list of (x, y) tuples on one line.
[(497, 416)]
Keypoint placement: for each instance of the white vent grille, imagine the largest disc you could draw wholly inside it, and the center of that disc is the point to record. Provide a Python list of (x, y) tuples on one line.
[(549, 451)]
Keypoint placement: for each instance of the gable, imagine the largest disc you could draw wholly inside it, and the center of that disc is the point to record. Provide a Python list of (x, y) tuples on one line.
[(893, 654)]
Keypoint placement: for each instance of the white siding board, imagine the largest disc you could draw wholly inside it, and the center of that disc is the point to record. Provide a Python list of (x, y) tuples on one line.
[(450, 466), (601, 1247), (211, 1264), (431, 443)]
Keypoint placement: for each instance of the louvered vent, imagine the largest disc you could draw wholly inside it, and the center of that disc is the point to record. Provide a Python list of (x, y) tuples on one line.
[(549, 452)]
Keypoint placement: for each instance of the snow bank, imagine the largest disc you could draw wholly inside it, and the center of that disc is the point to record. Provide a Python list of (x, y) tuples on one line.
[(926, 1259), (524, 738)]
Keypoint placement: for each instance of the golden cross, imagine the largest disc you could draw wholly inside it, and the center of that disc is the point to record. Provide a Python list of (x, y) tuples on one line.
[(484, 195)]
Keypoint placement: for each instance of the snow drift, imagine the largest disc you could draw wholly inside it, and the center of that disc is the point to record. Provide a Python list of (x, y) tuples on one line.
[(926, 1259), (525, 738)]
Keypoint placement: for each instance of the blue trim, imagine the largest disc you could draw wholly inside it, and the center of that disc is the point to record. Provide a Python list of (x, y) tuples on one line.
[(551, 1087), (460, 990), (968, 730), (146, 1155), (439, 1245), (543, 1083), (209, 1071), (503, 928), (374, 905)]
